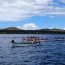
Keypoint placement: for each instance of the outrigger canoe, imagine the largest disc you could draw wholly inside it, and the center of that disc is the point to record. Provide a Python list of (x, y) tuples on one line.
[(23, 43)]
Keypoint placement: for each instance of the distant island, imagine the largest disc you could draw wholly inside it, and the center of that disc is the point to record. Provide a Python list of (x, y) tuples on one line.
[(15, 30)]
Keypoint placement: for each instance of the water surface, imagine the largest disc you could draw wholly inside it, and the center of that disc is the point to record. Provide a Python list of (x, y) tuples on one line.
[(47, 53)]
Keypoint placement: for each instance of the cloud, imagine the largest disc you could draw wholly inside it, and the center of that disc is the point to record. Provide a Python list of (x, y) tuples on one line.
[(14, 10), (63, 28), (29, 26)]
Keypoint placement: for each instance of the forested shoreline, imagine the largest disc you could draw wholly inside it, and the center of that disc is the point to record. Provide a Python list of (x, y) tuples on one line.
[(32, 31)]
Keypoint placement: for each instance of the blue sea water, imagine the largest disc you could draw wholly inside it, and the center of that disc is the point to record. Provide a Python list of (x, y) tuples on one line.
[(46, 53)]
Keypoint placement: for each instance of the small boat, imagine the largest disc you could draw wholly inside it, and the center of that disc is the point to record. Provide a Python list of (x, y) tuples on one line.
[(60, 39), (26, 41)]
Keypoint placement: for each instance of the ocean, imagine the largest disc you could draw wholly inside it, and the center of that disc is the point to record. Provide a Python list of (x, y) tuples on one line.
[(46, 53)]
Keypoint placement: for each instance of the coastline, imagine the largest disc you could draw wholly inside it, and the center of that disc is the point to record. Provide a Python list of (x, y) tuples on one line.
[(32, 31)]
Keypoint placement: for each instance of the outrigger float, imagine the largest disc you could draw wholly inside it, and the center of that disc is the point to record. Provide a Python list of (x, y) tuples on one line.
[(26, 41)]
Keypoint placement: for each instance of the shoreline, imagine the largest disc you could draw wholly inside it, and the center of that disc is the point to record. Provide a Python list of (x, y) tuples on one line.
[(32, 31)]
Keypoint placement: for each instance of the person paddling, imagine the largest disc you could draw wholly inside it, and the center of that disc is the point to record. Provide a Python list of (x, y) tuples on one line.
[(12, 41)]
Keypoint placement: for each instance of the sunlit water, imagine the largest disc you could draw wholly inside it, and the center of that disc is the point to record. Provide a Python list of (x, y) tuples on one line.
[(47, 53)]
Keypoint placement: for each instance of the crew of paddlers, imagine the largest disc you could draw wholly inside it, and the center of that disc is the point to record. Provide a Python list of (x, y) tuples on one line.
[(35, 39), (32, 39)]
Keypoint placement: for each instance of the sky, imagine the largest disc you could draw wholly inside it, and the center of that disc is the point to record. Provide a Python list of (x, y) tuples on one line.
[(32, 14)]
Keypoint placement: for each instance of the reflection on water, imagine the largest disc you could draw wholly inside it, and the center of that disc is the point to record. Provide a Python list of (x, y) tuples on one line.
[(47, 53)]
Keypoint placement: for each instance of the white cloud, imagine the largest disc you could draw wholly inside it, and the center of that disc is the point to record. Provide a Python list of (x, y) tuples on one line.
[(13, 10), (63, 28), (29, 26)]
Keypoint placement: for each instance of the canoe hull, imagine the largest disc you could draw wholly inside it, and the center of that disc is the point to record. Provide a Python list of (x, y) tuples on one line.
[(19, 44)]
